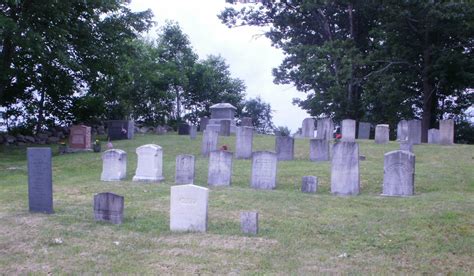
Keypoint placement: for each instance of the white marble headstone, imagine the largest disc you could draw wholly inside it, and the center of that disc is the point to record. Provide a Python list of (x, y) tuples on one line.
[(114, 165), (188, 208), (149, 164)]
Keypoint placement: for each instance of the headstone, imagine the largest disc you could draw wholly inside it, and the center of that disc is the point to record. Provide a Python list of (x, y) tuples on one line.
[(244, 142), (108, 207), (345, 169), (183, 129), (80, 137), (203, 123), (319, 150), (406, 145), (325, 129), (309, 184), (348, 130), (214, 127), (399, 173), (120, 129), (209, 142), (446, 132), (160, 130), (192, 132), (264, 170), (364, 131), (433, 136), (382, 134), (414, 132), (149, 164), (225, 128), (114, 165), (220, 168), (246, 121), (249, 222), (402, 130), (284, 147), (223, 111), (308, 128), (40, 180), (188, 208), (185, 169)]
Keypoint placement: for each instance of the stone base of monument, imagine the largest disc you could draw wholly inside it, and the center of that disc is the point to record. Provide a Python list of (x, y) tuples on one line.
[(70, 150), (138, 178)]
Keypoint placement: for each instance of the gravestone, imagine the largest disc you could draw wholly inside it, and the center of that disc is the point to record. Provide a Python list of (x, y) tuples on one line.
[(246, 121), (382, 134), (40, 180), (348, 130), (264, 170), (406, 145), (203, 123), (414, 132), (319, 150), (446, 132), (220, 168), (120, 129), (433, 136), (224, 128), (402, 130), (209, 142), (249, 222), (364, 131), (223, 111), (399, 173), (325, 129), (108, 207), (192, 132), (80, 137), (188, 208), (185, 169), (149, 164), (183, 129), (244, 142), (309, 184), (160, 130), (284, 147), (345, 169), (114, 165), (308, 128)]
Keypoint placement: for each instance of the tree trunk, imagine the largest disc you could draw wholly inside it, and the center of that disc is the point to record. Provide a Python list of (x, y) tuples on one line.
[(429, 96), (40, 122)]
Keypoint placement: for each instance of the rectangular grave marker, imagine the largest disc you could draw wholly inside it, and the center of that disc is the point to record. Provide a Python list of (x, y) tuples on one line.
[(264, 170), (149, 163), (446, 132), (114, 165), (364, 131), (244, 142), (382, 134), (108, 207), (345, 178), (184, 169), (399, 173), (319, 150), (325, 129), (249, 222), (309, 184), (348, 130), (188, 208), (284, 147), (220, 168), (209, 141), (40, 180)]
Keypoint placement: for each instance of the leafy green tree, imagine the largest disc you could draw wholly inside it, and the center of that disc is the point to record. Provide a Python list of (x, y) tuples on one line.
[(261, 114)]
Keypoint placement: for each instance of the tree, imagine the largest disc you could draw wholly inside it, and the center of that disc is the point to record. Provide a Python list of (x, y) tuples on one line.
[(261, 114)]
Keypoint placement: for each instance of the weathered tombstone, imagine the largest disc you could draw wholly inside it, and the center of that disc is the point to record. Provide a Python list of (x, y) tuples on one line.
[(345, 169), (225, 128), (149, 164), (382, 134), (446, 132), (249, 222), (246, 121), (220, 168), (223, 111), (108, 207), (364, 131), (120, 129), (414, 131), (348, 130), (160, 130), (192, 132), (188, 208), (40, 180), (244, 142), (184, 169), (309, 184), (308, 128), (114, 165), (406, 145), (284, 147), (325, 129), (214, 127), (209, 142), (264, 170), (399, 173), (203, 121), (402, 130), (318, 150), (80, 137), (183, 129), (433, 136)]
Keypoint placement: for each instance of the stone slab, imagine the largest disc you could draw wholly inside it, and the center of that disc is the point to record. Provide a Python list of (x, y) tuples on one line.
[(40, 180), (185, 169), (345, 178), (220, 168), (244, 142), (399, 173), (114, 165), (348, 130), (319, 150), (188, 208), (309, 184), (284, 147), (108, 207), (149, 163), (249, 222), (264, 170)]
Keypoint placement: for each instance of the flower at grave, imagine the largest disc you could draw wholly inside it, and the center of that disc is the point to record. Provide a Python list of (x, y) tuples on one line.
[(338, 136), (110, 145), (224, 147)]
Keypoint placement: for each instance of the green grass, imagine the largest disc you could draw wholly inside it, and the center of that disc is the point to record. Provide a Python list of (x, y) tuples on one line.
[(431, 232)]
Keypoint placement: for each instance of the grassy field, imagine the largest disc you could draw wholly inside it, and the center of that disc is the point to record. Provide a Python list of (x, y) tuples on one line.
[(431, 232)]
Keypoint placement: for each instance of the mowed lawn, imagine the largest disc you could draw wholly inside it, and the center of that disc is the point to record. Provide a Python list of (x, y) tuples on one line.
[(431, 232)]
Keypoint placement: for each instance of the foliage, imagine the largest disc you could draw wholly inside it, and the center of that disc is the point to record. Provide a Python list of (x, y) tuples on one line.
[(283, 130), (261, 114)]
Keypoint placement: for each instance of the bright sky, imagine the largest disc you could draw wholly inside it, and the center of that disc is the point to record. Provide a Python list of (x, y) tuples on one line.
[(250, 58)]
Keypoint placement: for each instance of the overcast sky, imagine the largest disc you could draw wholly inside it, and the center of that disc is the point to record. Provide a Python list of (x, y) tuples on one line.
[(250, 58)]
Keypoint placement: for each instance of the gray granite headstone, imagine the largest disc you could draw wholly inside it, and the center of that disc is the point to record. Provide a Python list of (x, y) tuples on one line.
[(433, 136), (382, 134), (249, 222), (319, 150), (183, 129), (264, 170), (345, 169), (220, 168), (114, 165), (120, 129), (184, 169), (446, 132), (149, 164), (246, 121), (209, 142), (203, 123), (284, 147), (308, 128), (402, 130), (364, 131), (244, 142), (108, 207), (325, 129), (188, 208), (309, 184), (192, 132), (40, 180), (348, 130), (414, 132), (225, 128), (406, 145), (399, 173), (214, 127)]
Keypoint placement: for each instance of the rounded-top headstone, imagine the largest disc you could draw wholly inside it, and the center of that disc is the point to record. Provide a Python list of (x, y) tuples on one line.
[(264, 170), (114, 165), (149, 164), (399, 173)]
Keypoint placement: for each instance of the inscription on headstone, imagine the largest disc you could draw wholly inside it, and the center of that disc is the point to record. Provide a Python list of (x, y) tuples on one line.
[(348, 130), (309, 184), (345, 169), (209, 142), (364, 131), (249, 222), (319, 150), (149, 164), (399, 173), (188, 208), (264, 169), (40, 180), (244, 142), (284, 147), (220, 168), (108, 207), (382, 134), (114, 165), (446, 132), (184, 169)]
